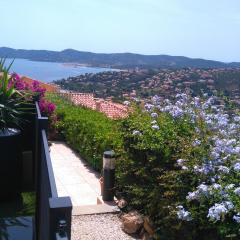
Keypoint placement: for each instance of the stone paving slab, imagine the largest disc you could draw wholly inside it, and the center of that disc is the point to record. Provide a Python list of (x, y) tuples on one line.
[(73, 176), (95, 209)]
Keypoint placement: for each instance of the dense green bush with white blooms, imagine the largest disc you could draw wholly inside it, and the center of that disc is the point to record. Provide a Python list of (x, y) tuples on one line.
[(184, 167), (179, 164)]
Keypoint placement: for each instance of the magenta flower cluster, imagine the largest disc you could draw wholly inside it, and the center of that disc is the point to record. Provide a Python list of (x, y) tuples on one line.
[(18, 82), (21, 85), (46, 107)]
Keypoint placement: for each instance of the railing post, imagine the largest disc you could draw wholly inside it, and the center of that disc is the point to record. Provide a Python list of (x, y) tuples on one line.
[(41, 124), (53, 213), (60, 218)]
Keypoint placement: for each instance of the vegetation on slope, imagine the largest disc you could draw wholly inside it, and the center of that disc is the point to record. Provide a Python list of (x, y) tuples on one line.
[(179, 162)]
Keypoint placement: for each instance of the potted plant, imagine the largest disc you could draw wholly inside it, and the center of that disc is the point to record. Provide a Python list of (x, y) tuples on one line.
[(11, 110)]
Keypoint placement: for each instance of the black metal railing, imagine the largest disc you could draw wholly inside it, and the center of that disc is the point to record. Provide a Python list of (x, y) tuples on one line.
[(53, 213)]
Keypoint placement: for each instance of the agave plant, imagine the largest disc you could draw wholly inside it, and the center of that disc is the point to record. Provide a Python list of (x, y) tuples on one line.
[(11, 100)]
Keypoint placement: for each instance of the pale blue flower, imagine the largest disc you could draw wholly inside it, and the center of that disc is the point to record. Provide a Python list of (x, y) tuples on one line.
[(136, 132), (183, 214), (196, 143), (237, 191), (237, 218), (230, 186), (149, 106), (155, 127), (192, 196), (217, 211), (223, 169), (236, 167), (154, 115), (180, 162)]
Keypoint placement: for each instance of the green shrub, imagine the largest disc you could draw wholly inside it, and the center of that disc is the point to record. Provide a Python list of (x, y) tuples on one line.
[(149, 177), (87, 131), (179, 163)]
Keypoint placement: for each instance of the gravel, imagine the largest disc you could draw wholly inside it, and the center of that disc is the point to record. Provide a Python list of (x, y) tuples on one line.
[(98, 227)]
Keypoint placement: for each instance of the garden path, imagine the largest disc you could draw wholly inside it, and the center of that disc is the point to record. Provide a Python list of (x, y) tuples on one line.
[(92, 218), (73, 176)]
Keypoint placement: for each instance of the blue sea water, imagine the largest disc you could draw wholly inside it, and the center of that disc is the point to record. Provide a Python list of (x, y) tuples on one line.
[(49, 71)]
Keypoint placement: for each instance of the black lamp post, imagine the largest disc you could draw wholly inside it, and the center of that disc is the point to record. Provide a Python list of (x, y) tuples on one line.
[(108, 175)]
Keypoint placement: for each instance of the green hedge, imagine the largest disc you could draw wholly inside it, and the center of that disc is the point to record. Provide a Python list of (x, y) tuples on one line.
[(87, 131)]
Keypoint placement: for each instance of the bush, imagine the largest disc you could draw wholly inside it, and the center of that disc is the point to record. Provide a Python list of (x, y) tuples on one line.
[(87, 131), (179, 162), (183, 168), (149, 176)]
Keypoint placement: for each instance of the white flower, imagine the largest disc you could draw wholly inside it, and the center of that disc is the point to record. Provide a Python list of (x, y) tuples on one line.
[(154, 115), (236, 118), (237, 191), (183, 214), (153, 122), (155, 127), (127, 103), (229, 205), (237, 218), (230, 186), (216, 186), (180, 162), (136, 132)]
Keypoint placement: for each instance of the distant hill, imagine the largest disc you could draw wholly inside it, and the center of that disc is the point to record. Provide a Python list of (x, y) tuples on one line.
[(115, 60)]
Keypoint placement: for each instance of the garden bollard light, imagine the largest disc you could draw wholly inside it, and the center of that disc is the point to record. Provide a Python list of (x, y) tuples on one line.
[(108, 175)]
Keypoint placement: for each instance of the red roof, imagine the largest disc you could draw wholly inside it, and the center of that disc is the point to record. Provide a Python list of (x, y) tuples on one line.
[(111, 109)]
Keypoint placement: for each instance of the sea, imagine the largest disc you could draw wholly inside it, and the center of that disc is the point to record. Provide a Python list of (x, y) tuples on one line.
[(50, 71)]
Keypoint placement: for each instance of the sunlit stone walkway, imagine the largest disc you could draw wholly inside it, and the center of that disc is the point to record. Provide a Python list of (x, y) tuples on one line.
[(92, 219), (73, 176)]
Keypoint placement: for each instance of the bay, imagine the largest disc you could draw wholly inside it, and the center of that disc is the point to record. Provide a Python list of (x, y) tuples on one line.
[(50, 71)]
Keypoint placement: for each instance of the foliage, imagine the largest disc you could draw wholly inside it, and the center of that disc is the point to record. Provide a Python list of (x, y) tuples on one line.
[(179, 161), (87, 131), (13, 103), (183, 167), (47, 108)]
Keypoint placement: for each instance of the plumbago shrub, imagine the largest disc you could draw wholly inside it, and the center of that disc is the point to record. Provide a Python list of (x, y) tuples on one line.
[(87, 131), (183, 167)]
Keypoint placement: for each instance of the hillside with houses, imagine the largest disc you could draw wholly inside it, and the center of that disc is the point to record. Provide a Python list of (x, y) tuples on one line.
[(122, 85)]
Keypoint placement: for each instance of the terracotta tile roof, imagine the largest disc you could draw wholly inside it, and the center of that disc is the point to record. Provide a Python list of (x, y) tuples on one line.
[(111, 109)]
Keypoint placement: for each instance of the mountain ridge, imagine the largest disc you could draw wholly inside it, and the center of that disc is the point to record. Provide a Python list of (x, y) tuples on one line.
[(115, 60)]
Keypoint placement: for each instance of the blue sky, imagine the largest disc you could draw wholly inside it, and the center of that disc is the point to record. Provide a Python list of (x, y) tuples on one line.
[(204, 28)]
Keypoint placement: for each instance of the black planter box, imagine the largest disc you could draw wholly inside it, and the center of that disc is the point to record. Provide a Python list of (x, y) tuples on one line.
[(10, 163)]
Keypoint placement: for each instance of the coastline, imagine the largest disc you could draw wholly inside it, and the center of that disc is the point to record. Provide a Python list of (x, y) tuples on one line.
[(85, 65)]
